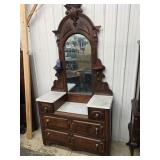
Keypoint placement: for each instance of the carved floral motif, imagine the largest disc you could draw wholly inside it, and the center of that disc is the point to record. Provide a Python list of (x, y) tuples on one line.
[(73, 10)]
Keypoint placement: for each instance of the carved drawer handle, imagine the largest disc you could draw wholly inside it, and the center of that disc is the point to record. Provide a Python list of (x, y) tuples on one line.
[(97, 147), (97, 115), (48, 134), (46, 109), (97, 131), (47, 121)]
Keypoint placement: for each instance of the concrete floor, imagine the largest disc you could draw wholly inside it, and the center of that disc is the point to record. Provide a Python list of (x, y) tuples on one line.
[(35, 147)]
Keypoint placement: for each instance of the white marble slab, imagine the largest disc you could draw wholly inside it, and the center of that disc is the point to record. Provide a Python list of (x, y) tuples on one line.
[(100, 101), (50, 97), (70, 86), (73, 107)]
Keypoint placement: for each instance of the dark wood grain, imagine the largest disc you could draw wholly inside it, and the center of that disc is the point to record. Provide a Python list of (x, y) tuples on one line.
[(96, 113), (76, 22), (90, 132), (57, 137), (88, 144), (55, 122), (94, 130), (80, 98)]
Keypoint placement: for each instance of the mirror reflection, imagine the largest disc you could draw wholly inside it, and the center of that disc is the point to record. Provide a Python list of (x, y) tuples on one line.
[(78, 63)]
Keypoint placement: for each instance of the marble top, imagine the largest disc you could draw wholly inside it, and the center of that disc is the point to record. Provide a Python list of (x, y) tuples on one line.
[(50, 96), (73, 107), (100, 101)]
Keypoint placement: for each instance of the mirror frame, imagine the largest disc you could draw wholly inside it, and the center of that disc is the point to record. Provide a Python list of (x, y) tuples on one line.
[(75, 22), (89, 67)]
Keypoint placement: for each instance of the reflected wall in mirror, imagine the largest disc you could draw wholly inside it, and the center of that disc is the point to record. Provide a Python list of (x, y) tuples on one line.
[(77, 50)]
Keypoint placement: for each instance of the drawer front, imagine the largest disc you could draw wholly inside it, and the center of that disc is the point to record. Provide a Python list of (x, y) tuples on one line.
[(96, 113), (87, 128), (88, 144), (45, 108), (57, 137), (55, 123)]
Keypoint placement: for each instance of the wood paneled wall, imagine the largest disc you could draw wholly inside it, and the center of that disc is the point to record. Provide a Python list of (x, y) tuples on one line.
[(118, 50)]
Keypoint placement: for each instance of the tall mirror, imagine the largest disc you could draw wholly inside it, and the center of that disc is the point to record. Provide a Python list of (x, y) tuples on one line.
[(77, 51)]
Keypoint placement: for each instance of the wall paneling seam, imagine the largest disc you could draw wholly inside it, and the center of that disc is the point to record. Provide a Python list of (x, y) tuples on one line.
[(120, 117)]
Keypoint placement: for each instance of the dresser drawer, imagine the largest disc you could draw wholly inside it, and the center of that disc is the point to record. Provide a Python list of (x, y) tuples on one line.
[(55, 122), (96, 113), (45, 108), (88, 144), (57, 137), (87, 128)]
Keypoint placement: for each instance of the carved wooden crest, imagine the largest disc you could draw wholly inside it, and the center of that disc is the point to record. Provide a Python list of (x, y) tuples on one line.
[(73, 10)]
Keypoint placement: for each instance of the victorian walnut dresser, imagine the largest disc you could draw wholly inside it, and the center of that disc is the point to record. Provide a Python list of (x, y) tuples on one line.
[(77, 111)]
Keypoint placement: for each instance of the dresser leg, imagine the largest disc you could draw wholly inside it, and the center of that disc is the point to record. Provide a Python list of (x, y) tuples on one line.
[(44, 142), (131, 148)]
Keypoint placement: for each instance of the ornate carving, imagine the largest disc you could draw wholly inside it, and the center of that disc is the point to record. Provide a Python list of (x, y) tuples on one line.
[(67, 29), (77, 22), (58, 84), (73, 10), (99, 86), (58, 39), (95, 31)]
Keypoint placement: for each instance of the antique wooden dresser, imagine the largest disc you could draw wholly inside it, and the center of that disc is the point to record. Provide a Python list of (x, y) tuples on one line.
[(77, 111)]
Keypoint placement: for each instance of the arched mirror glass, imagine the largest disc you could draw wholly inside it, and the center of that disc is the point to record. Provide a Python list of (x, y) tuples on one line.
[(77, 51)]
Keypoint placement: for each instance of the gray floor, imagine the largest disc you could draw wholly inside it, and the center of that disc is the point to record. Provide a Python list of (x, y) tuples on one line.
[(28, 152), (35, 147)]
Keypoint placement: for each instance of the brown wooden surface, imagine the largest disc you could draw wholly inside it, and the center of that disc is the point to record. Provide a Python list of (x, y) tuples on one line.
[(90, 132), (88, 144), (96, 113), (76, 22), (45, 108), (60, 102), (55, 122), (134, 124), (57, 137), (94, 130), (81, 98), (26, 65), (73, 124)]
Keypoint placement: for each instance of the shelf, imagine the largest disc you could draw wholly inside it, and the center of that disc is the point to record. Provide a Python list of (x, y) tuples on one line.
[(50, 97), (100, 101), (73, 107)]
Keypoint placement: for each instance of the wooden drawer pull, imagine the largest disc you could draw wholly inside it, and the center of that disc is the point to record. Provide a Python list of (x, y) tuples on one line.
[(97, 131), (47, 121), (97, 147), (48, 134), (97, 115), (46, 109)]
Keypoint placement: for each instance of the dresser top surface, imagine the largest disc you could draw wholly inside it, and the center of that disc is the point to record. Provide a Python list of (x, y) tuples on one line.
[(50, 96), (73, 107), (100, 101)]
